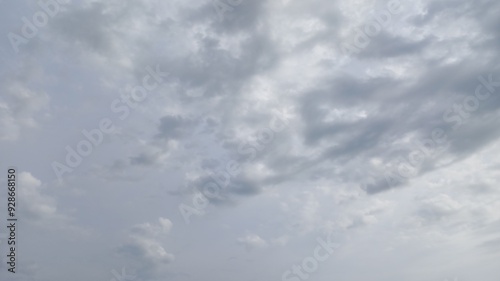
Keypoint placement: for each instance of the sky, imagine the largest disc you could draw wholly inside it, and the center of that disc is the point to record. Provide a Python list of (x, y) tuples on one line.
[(251, 140)]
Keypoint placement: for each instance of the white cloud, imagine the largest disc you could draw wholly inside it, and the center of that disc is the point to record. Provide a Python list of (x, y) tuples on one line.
[(37, 206), (252, 241), (145, 247), (19, 108)]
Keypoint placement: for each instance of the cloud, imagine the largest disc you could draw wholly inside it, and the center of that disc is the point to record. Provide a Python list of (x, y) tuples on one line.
[(145, 247), (438, 207), (37, 205), (20, 108), (252, 241), (347, 121), (173, 127), (163, 227)]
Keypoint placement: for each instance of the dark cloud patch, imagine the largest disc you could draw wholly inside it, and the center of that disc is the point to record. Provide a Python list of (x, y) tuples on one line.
[(90, 26), (491, 245), (144, 159), (174, 127), (388, 46)]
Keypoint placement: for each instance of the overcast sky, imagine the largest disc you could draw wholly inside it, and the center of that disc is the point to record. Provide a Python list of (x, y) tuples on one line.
[(242, 139)]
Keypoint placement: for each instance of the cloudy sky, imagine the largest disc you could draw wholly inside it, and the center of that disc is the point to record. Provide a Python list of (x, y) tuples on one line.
[(248, 140)]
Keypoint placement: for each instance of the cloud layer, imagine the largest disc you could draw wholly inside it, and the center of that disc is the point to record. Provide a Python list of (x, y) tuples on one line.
[(264, 124)]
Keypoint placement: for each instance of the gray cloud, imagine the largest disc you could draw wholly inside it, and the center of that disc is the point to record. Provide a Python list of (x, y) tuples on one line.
[(350, 122)]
